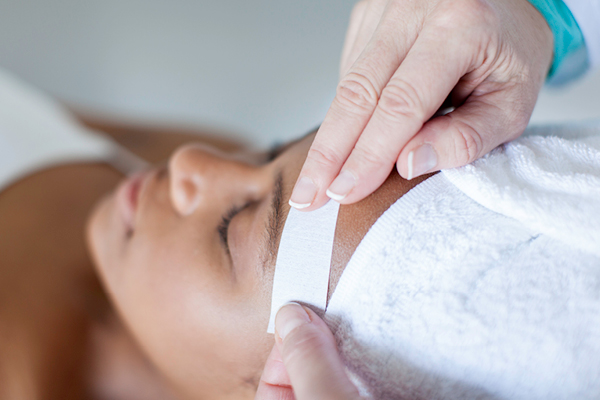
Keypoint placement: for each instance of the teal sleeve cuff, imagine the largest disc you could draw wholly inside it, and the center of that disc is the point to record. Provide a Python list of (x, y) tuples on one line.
[(570, 55)]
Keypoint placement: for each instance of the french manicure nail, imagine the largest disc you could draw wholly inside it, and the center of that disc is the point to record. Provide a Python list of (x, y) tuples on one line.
[(341, 186), (304, 193), (421, 160), (290, 316)]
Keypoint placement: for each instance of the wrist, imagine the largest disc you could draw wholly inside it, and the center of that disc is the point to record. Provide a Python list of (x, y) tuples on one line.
[(570, 55)]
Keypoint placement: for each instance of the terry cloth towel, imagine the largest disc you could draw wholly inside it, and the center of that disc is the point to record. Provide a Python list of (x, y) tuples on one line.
[(549, 180), (482, 282)]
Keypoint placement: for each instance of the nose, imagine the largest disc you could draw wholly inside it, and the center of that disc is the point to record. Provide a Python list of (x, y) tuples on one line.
[(202, 177)]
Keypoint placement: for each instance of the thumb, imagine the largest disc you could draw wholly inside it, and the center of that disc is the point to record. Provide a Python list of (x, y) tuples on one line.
[(274, 383), (461, 137), (310, 356)]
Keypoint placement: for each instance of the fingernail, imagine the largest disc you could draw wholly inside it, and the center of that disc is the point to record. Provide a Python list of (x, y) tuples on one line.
[(290, 316), (341, 186), (421, 160), (304, 193)]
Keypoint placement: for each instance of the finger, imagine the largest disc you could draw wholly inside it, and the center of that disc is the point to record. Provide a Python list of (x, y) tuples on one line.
[(310, 356), (389, 19), (356, 98), (464, 135), (356, 18), (274, 383), (372, 13), (415, 92), (467, 85), (274, 393)]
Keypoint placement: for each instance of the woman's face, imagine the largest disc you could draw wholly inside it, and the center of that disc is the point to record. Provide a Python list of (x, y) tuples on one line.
[(187, 253)]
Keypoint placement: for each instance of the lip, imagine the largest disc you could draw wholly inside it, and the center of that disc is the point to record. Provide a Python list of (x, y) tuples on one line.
[(127, 198)]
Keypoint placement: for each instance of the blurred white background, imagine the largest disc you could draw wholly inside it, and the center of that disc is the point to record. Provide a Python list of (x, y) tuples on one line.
[(264, 69)]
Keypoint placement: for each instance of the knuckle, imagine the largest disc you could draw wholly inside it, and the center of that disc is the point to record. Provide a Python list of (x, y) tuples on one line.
[(357, 90), (323, 157), (369, 158), (401, 99), (467, 14), (478, 12), (467, 143)]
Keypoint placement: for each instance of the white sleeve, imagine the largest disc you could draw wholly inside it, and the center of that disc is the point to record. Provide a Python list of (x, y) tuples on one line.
[(587, 15)]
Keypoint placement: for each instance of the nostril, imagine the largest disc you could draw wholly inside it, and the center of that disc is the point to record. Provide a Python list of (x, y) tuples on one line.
[(186, 194)]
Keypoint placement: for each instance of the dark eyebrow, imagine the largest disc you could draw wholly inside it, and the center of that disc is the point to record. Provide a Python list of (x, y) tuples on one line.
[(276, 216), (275, 222)]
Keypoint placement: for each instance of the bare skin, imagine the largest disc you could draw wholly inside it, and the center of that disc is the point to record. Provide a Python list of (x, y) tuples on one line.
[(51, 303), (59, 336), (402, 60), (194, 291), (354, 221), (45, 289)]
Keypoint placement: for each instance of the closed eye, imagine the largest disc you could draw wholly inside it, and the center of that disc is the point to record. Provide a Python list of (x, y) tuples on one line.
[(223, 227)]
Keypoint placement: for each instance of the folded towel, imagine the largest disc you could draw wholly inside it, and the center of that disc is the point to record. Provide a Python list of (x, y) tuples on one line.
[(549, 183), (482, 282)]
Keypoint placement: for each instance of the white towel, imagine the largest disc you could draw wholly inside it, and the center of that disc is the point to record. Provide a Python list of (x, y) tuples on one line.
[(487, 289), (37, 133), (550, 183)]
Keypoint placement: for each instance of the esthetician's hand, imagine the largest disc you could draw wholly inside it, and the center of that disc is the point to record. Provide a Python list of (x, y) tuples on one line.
[(401, 60), (304, 363)]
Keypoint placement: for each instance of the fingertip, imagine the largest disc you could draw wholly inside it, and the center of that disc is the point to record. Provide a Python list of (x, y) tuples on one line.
[(311, 358), (334, 196), (318, 321), (304, 193), (298, 206), (399, 168), (267, 391), (293, 315), (341, 186), (419, 161), (274, 372), (409, 164), (403, 165), (320, 200), (289, 317)]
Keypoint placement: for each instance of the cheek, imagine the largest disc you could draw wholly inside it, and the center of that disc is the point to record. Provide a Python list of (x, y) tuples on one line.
[(156, 298), (186, 315), (189, 318)]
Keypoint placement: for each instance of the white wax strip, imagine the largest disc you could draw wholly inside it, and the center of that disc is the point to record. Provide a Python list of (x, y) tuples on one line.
[(303, 259)]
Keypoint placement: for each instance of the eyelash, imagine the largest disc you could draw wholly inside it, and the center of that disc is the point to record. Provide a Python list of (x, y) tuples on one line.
[(223, 227)]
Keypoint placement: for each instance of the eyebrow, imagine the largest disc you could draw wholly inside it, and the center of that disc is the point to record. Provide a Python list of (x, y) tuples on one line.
[(276, 218), (275, 222)]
